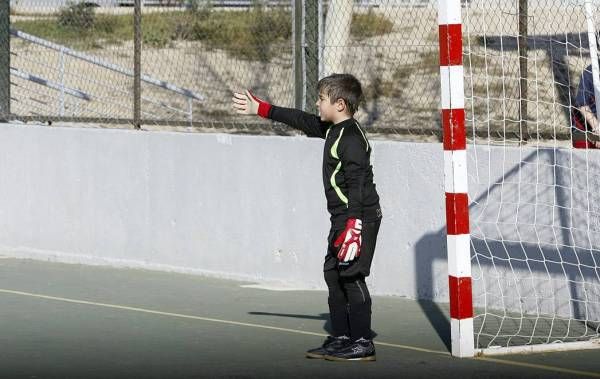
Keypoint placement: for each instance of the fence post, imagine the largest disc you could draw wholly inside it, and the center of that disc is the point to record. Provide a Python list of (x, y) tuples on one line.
[(311, 30), (298, 54), (137, 53), (61, 65), (593, 46), (4, 60), (523, 69)]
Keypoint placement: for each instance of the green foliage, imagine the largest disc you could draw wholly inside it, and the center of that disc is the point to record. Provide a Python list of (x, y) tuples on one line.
[(369, 25), (106, 25), (193, 5), (248, 34), (107, 30), (80, 16), (199, 9), (257, 33), (158, 33)]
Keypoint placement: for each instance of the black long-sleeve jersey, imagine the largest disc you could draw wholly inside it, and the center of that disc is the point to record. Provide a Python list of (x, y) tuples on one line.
[(347, 170)]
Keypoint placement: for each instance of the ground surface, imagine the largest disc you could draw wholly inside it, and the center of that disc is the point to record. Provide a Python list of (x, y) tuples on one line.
[(71, 321)]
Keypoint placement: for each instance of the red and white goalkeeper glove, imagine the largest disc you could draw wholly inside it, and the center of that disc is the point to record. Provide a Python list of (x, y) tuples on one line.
[(249, 104), (350, 240)]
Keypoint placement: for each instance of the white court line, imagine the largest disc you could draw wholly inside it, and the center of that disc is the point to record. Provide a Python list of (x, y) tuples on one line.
[(237, 323)]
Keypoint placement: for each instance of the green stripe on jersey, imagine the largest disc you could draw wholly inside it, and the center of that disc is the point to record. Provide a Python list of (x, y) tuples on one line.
[(363, 134), (334, 154)]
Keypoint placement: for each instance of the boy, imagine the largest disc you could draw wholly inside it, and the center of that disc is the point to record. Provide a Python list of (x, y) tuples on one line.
[(352, 202)]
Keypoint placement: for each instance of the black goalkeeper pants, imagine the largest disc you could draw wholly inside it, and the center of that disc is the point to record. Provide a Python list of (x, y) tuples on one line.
[(349, 299)]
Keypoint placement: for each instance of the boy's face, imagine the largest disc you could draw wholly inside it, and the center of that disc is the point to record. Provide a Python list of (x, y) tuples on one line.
[(327, 110)]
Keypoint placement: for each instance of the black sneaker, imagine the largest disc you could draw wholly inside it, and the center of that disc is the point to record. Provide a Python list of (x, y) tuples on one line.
[(360, 350), (330, 345)]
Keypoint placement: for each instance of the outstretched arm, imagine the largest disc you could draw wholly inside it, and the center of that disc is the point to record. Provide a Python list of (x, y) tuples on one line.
[(248, 104)]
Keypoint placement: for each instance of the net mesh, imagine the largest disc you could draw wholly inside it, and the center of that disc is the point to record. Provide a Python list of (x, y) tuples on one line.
[(535, 203)]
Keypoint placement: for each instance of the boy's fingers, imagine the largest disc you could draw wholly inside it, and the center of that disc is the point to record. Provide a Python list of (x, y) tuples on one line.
[(249, 95), (239, 101), (352, 255), (242, 109)]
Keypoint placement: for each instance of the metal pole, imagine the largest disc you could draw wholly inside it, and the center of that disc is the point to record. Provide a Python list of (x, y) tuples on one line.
[(298, 54), (61, 62), (4, 60), (321, 21), (523, 69), (311, 28), (337, 35), (592, 42), (137, 67)]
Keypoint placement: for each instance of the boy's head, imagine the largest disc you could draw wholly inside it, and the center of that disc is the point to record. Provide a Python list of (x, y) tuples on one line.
[(343, 92)]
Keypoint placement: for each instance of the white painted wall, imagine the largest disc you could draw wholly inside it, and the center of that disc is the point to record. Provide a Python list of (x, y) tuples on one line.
[(253, 208), (234, 206)]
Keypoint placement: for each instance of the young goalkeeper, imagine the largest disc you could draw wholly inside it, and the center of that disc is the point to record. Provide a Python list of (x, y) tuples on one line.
[(352, 202)]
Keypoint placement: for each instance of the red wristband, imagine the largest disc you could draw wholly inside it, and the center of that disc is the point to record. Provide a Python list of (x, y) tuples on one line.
[(263, 107)]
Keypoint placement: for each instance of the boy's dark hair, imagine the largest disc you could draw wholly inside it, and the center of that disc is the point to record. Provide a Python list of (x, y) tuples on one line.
[(342, 86)]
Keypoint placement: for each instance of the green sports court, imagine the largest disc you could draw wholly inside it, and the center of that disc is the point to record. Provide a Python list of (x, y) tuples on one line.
[(73, 321)]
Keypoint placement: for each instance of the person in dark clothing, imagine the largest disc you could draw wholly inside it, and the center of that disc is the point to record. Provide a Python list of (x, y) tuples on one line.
[(585, 130), (352, 202)]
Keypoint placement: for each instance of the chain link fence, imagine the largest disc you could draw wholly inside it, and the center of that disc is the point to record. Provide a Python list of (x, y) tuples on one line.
[(523, 63), (75, 61)]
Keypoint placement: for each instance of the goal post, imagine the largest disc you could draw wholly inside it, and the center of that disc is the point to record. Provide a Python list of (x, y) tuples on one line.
[(522, 197), (455, 177)]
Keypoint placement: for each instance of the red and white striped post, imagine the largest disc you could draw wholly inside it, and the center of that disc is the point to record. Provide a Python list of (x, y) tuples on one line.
[(455, 177)]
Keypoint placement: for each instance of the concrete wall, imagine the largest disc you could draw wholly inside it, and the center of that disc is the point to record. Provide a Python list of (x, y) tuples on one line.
[(234, 206), (253, 208)]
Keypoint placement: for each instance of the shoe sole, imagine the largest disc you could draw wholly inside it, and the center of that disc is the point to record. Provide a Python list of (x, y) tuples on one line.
[(315, 356), (371, 358)]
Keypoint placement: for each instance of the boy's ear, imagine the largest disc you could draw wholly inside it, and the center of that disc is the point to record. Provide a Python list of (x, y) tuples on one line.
[(340, 105)]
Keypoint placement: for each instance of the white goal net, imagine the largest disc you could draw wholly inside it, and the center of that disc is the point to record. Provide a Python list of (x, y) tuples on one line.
[(535, 198)]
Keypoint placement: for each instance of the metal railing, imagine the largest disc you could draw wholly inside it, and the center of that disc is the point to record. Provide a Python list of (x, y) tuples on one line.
[(63, 89), (54, 85)]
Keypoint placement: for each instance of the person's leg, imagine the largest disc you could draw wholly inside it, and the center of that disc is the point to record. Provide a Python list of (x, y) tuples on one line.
[(359, 314), (359, 307), (359, 301), (355, 287), (338, 304), (336, 298)]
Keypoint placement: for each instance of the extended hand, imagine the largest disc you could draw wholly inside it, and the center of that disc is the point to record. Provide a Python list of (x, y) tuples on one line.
[(350, 240), (249, 104)]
